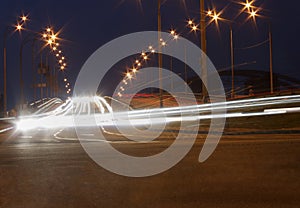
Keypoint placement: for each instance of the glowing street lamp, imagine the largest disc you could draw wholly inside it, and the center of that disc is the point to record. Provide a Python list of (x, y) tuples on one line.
[(216, 17), (19, 27), (129, 76), (53, 37), (194, 28), (253, 14), (50, 41), (24, 18), (248, 5)]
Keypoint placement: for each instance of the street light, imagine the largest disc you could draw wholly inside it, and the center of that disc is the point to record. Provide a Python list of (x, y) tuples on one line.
[(50, 38), (24, 18), (204, 49), (160, 55), (18, 27), (248, 5), (253, 13), (216, 17), (53, 37)]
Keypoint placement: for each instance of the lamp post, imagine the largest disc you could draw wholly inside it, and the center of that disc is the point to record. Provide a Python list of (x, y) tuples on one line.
[(160, 55), (216, 17), (4, 71), (253, 14), (18, 27), (204, 49), (271, 60), (232, 63)]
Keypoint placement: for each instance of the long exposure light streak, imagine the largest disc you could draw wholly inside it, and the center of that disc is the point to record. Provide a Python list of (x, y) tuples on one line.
[(103, 114)]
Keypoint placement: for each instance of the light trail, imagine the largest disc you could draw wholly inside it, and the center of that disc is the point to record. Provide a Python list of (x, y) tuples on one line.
[(6, 129), (104, 116)]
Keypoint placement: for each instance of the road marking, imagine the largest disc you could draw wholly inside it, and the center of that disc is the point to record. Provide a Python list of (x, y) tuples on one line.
[(90, 135), (25, 137)]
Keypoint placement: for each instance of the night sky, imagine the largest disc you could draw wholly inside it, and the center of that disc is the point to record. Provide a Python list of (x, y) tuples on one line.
[(86, 25)]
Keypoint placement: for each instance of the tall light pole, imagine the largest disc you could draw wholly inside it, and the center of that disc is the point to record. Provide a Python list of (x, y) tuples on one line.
[(232, 63), (254, 14), (160, 55), (204, 49), (271, 59), (4, 71), (18, 27), (216, 18)]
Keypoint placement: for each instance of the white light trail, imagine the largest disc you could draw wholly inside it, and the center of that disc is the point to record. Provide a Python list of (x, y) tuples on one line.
[(6, 129), (81, 107)]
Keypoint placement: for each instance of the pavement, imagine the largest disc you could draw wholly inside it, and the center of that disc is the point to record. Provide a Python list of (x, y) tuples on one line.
[(49, 168)]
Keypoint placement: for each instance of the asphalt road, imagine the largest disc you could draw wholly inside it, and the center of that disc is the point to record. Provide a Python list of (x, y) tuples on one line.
[(44, 169)]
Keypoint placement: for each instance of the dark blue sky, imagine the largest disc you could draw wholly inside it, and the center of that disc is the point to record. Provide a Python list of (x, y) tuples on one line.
[(86, 25)]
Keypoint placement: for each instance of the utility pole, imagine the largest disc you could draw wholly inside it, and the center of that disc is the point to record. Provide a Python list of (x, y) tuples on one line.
[(21, 77), (4, 72), (160, 54), (232, 63), (271, 59), (204, 49)]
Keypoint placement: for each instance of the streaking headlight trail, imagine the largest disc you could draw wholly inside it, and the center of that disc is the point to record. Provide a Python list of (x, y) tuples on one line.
[(62, 116)]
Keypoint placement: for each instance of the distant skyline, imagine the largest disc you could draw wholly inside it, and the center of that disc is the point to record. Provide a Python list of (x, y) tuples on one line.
[(86, 25)]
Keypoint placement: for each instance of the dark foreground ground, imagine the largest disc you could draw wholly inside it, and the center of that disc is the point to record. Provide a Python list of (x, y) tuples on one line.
[(251, 170)]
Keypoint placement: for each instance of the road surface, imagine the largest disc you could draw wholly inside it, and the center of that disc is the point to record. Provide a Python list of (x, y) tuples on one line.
[(50, 169)]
